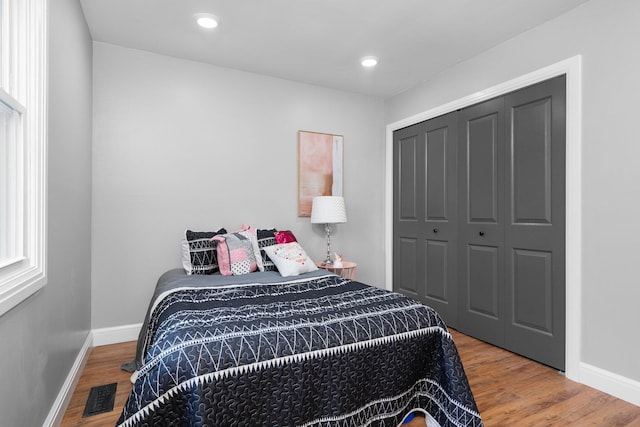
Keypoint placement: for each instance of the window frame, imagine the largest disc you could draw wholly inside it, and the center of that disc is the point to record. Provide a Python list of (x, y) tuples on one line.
[(23, 90), (11, 180)]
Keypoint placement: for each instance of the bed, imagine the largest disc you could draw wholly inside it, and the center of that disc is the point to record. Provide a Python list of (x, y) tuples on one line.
[(311, 350)]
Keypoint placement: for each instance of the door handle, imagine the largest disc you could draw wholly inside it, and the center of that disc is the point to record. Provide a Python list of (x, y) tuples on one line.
[(481, 233), (435, 229)]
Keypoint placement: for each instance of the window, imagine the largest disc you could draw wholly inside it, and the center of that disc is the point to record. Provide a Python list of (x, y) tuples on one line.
[(22, 150), (10, 177)]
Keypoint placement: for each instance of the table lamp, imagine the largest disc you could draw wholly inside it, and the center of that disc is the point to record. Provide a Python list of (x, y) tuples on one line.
[(328, 210)]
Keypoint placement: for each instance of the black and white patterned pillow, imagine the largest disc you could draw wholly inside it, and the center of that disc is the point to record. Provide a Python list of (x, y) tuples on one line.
[(266, 238), (199, 252)]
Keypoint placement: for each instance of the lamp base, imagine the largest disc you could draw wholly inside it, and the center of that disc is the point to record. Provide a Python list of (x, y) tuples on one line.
[(327, 261)]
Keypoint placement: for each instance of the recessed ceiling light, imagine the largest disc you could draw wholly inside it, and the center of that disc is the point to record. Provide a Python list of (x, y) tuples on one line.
[(369, 61), (207, 20)]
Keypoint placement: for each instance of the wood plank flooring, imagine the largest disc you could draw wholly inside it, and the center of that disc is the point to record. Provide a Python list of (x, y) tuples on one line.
[(510, 390), (103, 367)]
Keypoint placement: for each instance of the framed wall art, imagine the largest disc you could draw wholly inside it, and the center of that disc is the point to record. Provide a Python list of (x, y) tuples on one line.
[(320, 164)]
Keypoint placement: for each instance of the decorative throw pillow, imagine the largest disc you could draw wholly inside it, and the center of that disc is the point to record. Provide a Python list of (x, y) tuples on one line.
[(290, 259), (199, 252), (252, 233), (236, 252), (285, 236), (266, 238)]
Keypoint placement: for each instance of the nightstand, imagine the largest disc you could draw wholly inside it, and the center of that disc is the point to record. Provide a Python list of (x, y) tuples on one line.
[(348, 269)]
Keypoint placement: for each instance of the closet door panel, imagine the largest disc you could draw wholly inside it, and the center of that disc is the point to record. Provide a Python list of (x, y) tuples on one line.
[(407, 254), (531, 162), (408, 177), (481, 230), (483, 279), (535, 222), (425, 214), (436, 174), (532, 290), (408, 211), (436, 259), (440, 225), (482, 166)]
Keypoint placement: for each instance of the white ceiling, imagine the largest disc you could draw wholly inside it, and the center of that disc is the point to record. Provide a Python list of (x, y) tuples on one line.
[(321, 41)]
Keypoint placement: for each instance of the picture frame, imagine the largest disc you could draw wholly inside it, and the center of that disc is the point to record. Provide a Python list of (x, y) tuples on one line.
[(320, 167)]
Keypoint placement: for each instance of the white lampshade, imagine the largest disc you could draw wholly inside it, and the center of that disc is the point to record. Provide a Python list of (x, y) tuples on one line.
[(328, 210)]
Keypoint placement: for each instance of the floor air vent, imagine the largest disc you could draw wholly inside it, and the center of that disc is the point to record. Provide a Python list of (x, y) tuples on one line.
[(101, 399)]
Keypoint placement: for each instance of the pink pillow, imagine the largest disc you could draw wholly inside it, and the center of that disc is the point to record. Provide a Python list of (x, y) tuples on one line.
[(235, 253), (285, 236)]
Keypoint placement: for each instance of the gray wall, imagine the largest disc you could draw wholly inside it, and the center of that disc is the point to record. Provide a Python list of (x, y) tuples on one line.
[(181, 144), (606, 34), (42, 336)]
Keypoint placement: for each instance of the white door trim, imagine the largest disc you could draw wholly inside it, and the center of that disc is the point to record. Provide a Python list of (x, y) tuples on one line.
[(572, 68)]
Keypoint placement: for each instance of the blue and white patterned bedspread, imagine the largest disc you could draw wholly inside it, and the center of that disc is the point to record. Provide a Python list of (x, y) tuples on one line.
[(315, 351)]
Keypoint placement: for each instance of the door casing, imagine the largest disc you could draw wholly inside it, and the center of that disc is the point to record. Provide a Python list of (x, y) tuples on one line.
[(572, 68)]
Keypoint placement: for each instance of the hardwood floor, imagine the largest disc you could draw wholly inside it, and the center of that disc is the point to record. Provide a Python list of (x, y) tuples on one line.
[(510, 390), (103, 367)]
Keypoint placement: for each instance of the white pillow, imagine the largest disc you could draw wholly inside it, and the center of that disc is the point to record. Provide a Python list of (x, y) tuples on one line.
[(290, 259)]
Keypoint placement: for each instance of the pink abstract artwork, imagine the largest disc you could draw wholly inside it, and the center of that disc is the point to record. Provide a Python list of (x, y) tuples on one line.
[(319, 168)]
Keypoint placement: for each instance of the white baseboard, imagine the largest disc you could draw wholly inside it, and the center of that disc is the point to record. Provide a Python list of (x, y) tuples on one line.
[(116, 334), (96, 337), (56, 413), (610, 383)]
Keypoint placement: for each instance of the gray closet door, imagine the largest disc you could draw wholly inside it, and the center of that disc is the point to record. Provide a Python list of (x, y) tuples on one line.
[(481, 219), (501, 251), (512, 221), (425, 214), (535, 222)]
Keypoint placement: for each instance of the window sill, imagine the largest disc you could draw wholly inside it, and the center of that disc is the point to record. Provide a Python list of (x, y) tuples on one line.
[(19, 286), (9, 262)]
